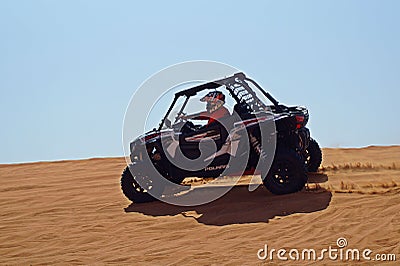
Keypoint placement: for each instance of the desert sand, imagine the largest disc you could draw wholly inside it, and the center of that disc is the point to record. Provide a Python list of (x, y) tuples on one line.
[(73, 212)]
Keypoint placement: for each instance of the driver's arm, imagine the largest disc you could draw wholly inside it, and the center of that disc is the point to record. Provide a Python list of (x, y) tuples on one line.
[(197, 116)]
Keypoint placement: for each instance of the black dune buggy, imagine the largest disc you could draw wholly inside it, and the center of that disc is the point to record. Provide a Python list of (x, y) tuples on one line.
[(294, 152)]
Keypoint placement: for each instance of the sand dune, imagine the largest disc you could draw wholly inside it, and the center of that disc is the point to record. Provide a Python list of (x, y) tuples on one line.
[(73, 212)]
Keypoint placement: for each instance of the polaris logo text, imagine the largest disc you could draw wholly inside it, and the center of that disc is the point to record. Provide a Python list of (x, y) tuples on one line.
[(217, 167)]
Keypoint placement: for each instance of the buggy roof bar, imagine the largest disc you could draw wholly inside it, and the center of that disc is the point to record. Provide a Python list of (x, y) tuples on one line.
[(224, 81), (193, 91)]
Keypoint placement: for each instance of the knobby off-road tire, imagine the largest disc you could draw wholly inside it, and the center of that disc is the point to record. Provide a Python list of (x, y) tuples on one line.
[(287, 173), (313, 156), (130, 181)]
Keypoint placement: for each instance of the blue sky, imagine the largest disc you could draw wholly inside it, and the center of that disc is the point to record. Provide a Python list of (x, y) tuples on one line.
[(69, 68)]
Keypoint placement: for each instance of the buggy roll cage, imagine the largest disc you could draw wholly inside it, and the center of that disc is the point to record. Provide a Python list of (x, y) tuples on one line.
[(238, 88)]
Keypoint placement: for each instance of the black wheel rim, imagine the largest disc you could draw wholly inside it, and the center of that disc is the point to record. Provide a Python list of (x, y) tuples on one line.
[(142, 183), (308, 158), (282, 174)]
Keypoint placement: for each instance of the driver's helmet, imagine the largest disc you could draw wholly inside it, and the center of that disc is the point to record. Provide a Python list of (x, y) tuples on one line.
[(214, 99)]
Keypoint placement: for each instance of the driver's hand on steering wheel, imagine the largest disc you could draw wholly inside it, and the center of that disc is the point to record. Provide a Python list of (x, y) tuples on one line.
[(183, 117)]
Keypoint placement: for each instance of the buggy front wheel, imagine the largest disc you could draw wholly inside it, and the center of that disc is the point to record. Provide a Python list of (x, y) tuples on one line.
[(136, 185)]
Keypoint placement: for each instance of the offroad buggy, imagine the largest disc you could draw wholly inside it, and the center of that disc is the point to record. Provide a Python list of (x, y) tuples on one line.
[(294, 152)]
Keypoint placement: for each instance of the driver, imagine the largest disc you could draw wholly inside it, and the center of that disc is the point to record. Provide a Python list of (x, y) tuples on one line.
[(214, 109)]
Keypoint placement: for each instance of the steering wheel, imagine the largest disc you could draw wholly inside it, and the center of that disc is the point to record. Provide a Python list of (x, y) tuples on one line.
[(179, 117)]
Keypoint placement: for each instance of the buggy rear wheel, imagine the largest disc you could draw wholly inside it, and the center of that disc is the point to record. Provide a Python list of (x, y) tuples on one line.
[(287, 173), (313, 156)]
